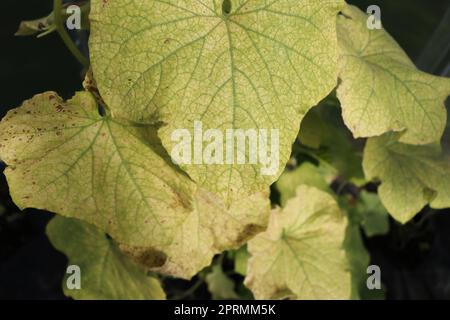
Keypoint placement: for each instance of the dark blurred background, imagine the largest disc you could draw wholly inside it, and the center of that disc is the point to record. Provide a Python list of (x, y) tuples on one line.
[(414, 258)]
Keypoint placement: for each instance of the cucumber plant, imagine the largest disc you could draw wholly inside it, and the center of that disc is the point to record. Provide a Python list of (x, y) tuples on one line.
[(128, 214)]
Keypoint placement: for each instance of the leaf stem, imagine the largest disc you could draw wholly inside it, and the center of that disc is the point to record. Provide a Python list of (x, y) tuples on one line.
[(58, 21)]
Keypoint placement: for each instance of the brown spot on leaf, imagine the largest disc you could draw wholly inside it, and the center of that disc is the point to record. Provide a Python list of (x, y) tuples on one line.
[(181, 200), (148, 257), (249, 232)]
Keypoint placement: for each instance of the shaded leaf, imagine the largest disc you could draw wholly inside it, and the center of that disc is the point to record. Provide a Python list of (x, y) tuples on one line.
[(220, 285), (106, 273), (42, 26), (305, 174), (333, 145)]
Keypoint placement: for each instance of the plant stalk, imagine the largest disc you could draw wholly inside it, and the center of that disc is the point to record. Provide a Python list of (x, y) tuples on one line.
[(59, 24)]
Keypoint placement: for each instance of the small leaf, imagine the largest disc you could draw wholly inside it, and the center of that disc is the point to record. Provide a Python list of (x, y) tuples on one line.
[(411, 176), (42, 26), (320, 123), (106, 273), (382, 90), (46, 25), (219, 285), (301, 254)]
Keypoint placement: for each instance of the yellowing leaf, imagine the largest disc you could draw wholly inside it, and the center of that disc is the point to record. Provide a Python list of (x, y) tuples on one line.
[(381, 89), (301, 254), (105, 272), (261, 65), (411, 176), (66, 158), (211, 228)]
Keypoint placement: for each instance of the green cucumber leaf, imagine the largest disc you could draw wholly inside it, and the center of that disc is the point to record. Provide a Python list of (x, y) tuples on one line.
[(105, 272), (358, 259), (372, 215), (332, 144), (305, 174)]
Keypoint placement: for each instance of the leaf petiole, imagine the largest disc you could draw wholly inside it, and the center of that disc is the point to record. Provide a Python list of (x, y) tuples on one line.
[(59, 25)]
